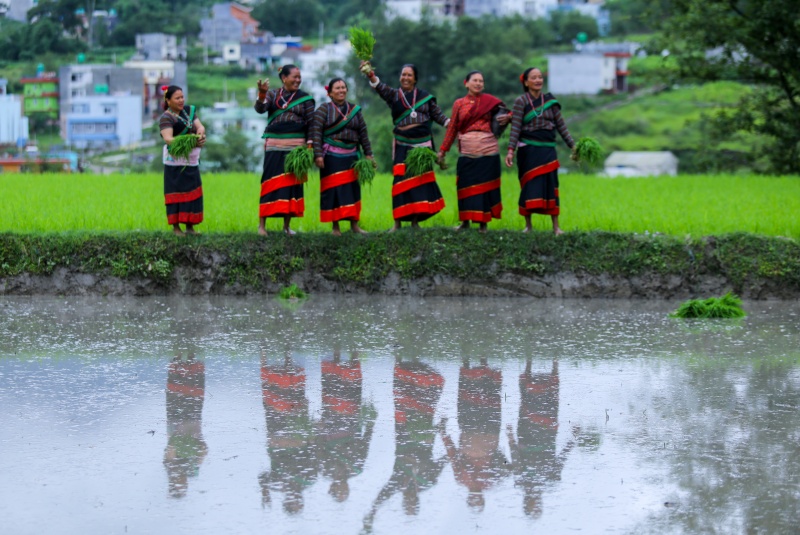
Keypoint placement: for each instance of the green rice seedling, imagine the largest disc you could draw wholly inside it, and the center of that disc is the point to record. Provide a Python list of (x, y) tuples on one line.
[(420, 160), (299, 162), (727, 306), (362, 41), (183, 145), (589, 151), (365, 171), (292, 292)]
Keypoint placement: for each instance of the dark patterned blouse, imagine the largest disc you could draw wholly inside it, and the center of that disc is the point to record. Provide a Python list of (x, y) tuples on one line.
[(545, 114), (328, 116)]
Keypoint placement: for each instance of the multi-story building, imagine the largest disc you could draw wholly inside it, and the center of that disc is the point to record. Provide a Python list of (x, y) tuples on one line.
[(159, 46), (588, 73), (320, 65), (229, 23), (503, 8), (155, 74), (13, 123), (414, 9), (107, 121), (40, 94)]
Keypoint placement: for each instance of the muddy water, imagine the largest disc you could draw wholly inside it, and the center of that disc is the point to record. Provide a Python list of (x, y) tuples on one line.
[(391, 415)]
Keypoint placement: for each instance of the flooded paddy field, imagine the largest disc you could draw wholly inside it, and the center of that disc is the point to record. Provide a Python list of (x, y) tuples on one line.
[(396, 415)]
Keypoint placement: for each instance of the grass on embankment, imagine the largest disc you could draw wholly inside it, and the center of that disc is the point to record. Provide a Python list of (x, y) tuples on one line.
[(679, 206), (253, 263)]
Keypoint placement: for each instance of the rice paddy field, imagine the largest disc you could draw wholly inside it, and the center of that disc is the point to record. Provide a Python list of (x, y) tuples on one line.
[(682, 205)]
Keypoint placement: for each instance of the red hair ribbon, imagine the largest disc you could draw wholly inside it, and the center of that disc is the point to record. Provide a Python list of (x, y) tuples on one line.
[(327, 89), (521, 76), (164, 87)]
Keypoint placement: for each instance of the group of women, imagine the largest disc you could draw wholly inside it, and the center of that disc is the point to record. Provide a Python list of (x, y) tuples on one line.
[(337, 133)]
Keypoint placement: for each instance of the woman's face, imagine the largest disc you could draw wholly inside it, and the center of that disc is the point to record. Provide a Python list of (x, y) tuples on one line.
[(475, 84), (407, 79), (175, 102), (338, 92), (535, 80), (291, 82)]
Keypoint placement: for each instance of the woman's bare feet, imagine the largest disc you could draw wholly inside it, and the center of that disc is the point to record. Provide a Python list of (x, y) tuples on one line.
[(288, 231), (527, 229), (557, 231), (482, 228), (463, 226), (336, 231), (397, 226), (190, 230), (177, 231), (355, 228), (262, 231)]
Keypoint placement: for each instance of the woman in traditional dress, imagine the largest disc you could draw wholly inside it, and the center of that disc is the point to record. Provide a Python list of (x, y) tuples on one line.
[(183, 189), (478, 170), (337, 130), (290, 113), (534, 122), (414, 198)]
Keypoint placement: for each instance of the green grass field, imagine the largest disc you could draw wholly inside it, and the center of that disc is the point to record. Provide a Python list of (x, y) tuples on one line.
[(682, 205)]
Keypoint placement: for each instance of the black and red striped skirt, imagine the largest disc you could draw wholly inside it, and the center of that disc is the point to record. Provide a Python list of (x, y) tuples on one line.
[(339, 190), (281, 193), (538, 179), (413, 197), (183, 194), (478, 184)]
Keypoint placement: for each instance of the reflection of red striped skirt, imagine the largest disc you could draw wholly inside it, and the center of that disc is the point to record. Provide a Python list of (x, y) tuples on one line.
[(339, 191), (413, 197), (538, 178), (281, 194), (478, 185), (183, 194)]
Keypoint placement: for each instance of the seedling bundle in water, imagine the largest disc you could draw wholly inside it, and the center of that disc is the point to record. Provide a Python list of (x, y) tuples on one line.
[(420, 160), (589, 151), (292, 292), (299, 162), (362, 42), (365, 171), (182, 145), (727, 306)]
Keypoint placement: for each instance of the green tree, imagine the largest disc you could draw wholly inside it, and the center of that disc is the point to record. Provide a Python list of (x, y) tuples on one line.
[(753, 41), (296, 17), (567, 25), (234, 153)]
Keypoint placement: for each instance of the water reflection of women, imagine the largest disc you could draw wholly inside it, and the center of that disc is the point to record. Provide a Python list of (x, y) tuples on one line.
[(290, 434), (534, 458), (186, 448), (417, 389), (478, 462), (341, 445)]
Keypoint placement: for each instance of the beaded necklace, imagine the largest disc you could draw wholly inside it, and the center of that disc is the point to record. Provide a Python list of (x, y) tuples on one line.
[(347, 107), (533, 108), (406, 104), (285, 101), (180, 117)]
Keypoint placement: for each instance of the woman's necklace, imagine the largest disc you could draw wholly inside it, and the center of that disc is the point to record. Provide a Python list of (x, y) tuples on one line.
[(347, 108), (180, 117), (406, 104), (533, 108), (284, 99)]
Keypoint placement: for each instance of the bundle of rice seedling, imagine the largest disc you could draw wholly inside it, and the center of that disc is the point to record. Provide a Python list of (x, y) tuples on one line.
[(362, 42), (292, 292), (589, 151), (182, 145), (365, 171), (420, 160), (727, 306), (299, 162)]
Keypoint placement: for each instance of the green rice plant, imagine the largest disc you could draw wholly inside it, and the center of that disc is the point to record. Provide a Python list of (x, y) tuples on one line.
[(365, 171), (727, 306), (420, 160), (183, 145), (299, 162), (292, 292), (589, 151), (362, 41)]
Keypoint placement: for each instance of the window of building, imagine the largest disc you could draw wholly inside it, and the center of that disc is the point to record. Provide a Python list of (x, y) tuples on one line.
[(110, 108), (80, 108)]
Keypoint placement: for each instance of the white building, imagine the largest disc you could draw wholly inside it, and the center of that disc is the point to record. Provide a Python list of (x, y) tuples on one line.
[(320, 65), (13, 124), (644, 163), (502, 8), (414, 9), (157, 73), (109, 121), (158, 46), (18, 9), (587, 74)]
